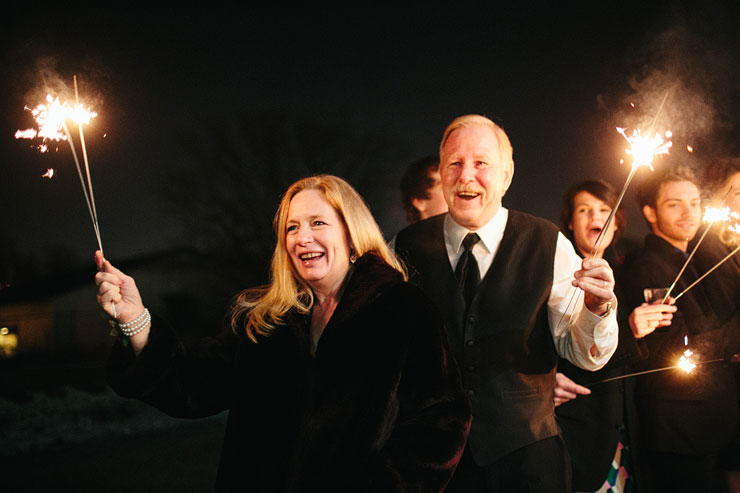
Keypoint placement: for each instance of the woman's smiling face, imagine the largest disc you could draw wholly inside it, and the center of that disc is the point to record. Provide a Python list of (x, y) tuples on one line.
[(317, 241)]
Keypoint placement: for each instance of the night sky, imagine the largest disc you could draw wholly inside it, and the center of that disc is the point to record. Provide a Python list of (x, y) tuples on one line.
[(167, 82)]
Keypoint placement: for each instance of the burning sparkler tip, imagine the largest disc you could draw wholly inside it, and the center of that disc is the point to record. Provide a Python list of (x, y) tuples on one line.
[(685, 362)]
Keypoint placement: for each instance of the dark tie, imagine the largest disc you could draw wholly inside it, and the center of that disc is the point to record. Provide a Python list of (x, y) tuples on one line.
[(467, 273)]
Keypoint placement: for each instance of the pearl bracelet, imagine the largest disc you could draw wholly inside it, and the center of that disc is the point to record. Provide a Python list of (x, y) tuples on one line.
[(134, 321), (137, 325)]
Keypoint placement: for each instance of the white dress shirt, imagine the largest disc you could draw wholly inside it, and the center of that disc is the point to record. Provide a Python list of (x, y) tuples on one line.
[(575, 329)]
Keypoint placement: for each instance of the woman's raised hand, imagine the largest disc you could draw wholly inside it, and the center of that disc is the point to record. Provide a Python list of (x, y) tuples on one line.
[(116, 287)]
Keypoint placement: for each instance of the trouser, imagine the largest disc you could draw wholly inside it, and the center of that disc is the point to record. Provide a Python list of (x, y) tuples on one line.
[(542, 467)]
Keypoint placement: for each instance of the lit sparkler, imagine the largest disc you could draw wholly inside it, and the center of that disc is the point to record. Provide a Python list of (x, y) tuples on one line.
[(49, 173), (685, 362), (643, 150), (735, 228), (51, 119), (711, 215)]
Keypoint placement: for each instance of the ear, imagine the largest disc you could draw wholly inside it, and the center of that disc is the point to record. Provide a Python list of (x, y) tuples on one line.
[(649, 213), (419, 204), (508, 175), (570, 225)]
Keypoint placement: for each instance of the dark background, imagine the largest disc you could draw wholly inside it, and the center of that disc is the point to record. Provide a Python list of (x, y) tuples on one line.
[(206, 114), (232, 97)]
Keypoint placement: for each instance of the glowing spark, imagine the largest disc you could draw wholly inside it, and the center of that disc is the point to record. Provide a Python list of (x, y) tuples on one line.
[(712, 214), (644, 148), (50, 117), (689, 148), (685, 362), (49, 173), (26, 134)]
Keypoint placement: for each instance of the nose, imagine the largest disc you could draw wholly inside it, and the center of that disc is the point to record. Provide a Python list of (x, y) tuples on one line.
[(467, 173), (305, 235)]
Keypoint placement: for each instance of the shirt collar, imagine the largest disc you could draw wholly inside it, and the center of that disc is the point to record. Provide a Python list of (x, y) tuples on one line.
[(490, 233)]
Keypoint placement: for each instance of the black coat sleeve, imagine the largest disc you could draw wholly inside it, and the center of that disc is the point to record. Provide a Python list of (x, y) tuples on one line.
[(185, 381)]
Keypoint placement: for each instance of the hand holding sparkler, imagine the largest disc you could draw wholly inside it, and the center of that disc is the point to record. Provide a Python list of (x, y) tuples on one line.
[(119, 297), (596, 279)]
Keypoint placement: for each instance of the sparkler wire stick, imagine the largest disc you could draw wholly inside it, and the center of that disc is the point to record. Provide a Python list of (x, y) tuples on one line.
[(87, 165), (708, 272), (577, 292), (84, 188), (93, 210), (654, 370), (706, 230)]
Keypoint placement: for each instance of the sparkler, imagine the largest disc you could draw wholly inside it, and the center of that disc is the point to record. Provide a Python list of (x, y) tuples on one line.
[(643, 150), (51, 119), (52, 125), (729, 255), (711, 214), (685, 363)]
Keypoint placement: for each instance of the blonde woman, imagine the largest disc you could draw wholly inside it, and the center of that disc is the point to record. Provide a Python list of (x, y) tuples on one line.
[(337, 375)]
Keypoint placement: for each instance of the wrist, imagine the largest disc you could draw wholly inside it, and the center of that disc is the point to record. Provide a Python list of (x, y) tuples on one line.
[(605, 309), (136, 325)]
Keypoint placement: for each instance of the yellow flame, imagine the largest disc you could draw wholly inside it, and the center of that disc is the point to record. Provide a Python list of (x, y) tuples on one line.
[(644, 148), (685, 362), (689, 148), (50, 117), (49, 173), (712, 214)]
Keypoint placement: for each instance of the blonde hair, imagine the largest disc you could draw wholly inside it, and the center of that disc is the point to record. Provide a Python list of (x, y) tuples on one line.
[(466, 121), (265, 307)]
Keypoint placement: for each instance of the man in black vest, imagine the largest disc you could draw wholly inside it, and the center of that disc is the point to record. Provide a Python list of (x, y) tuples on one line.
[(503, 282)]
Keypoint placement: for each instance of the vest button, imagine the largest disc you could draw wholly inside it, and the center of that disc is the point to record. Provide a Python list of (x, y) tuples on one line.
[(471, 367), (470, 392), (470, 343), (472, 319)]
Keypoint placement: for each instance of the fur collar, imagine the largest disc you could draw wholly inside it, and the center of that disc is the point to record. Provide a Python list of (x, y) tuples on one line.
[(370, 277)]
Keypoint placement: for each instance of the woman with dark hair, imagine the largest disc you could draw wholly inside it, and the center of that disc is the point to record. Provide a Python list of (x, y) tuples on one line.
[(337, 375), (599, 427)]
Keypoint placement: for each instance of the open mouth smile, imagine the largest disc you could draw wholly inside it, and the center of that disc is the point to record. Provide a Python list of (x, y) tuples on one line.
[(310, 256), (467, 194)]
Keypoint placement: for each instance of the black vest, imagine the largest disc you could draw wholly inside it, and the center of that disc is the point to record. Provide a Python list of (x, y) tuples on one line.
[(504, 346)]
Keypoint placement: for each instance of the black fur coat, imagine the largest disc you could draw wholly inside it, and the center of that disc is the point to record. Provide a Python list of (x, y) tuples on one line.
[(379, 408)]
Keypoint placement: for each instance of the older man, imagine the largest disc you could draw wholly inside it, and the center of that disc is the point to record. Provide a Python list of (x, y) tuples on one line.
[(504, 281)]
